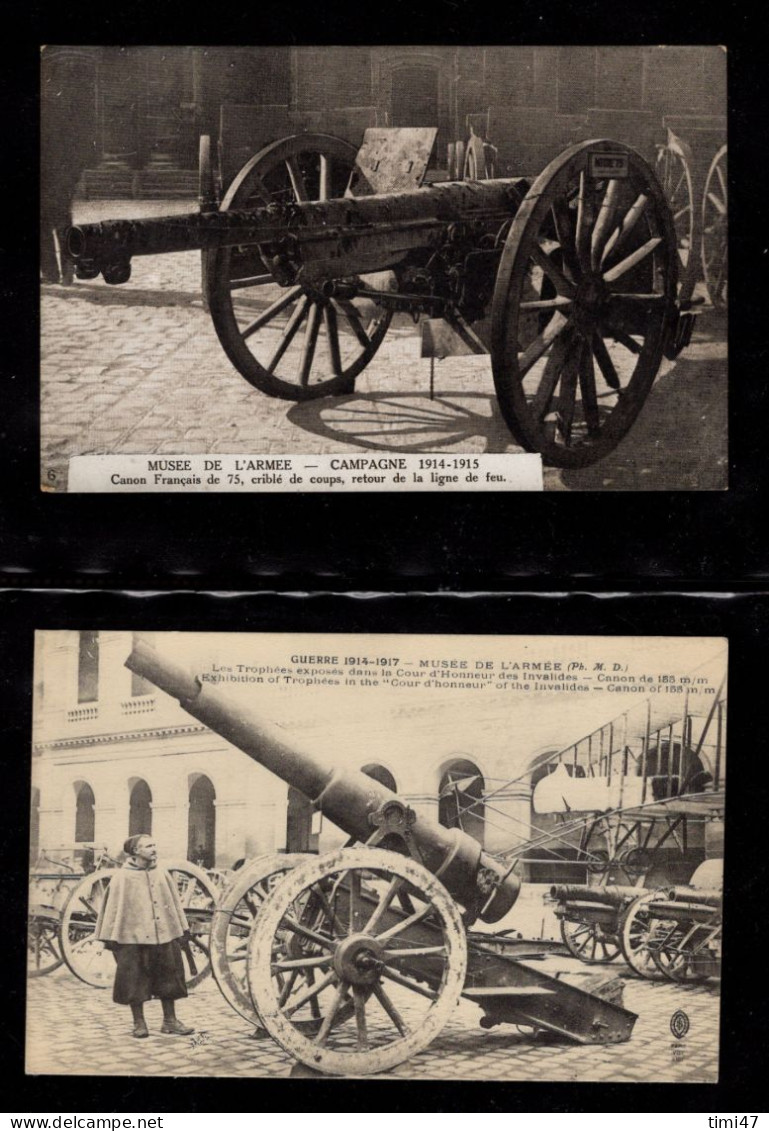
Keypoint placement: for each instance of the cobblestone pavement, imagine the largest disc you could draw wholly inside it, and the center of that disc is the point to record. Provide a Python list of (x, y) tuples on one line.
[(139, 369), (74, 1029)]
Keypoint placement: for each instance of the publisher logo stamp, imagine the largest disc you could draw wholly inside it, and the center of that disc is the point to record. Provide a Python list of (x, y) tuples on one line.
[(679, 1024)]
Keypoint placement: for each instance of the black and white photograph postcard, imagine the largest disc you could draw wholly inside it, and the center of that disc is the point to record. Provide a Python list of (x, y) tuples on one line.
[(413, 857), (383, 268)]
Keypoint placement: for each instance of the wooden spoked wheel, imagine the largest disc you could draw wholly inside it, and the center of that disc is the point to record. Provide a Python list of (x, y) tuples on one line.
[(85, 955), (637, 936), (43, 948), (584, 303), (684, 952), (289, 341), (336, 933), (714, 230), (199, 893), (88, 958), (589, 941), (232, 922), (674, 169)]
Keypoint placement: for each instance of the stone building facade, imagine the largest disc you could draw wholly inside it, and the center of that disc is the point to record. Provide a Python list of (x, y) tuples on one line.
[(113, 756), (133, 115)]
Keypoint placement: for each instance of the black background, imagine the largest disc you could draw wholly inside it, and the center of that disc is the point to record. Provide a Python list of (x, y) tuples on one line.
[(491, 541), (476, 544), (743, 619)]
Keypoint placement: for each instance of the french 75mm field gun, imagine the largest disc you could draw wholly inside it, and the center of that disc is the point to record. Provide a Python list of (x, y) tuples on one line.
[(568, 279), (356, 959)]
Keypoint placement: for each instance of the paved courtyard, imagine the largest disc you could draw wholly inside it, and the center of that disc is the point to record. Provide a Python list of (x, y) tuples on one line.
[(92, 1035), (138, 369)]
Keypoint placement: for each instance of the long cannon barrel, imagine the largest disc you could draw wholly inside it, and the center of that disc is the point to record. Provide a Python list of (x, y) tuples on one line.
[(348, 798), (706, 896), (393, 223), (614, 896)]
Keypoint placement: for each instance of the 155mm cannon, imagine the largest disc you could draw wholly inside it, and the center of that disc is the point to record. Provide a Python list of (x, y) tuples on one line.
[(357, 959)]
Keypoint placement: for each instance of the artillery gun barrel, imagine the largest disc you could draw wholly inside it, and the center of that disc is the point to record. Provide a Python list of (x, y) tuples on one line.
[(614, 896), (706, 896), (348, 798), (397, 222)]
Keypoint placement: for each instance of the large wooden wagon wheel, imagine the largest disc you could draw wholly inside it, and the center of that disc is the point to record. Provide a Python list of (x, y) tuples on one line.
[(682, 951), (289, 341), (675, 165), (332, 935), (714, 229), (637, 936), (584, 303), (588, 941), (87, 957), (43, 947), (232, 921)]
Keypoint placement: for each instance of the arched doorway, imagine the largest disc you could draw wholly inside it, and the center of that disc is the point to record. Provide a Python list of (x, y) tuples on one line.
[(201, 826), (140, 808), (380, 774), (460, 797), (85, 812)]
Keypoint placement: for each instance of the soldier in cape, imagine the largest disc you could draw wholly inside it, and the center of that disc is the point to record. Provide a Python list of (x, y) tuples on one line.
[(143, 923)]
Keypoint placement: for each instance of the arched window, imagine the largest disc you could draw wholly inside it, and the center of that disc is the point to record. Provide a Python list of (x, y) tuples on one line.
[(140, 809), (201, 828), (85, 816), (380, 774), (460, 797)]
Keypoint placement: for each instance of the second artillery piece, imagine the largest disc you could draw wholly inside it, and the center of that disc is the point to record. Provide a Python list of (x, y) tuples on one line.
[(356, 960), (591, 918), (568, 279)]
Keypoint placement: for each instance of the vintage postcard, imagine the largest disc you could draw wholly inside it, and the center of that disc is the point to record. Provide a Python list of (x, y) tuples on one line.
[(430, 857), (373, 268)]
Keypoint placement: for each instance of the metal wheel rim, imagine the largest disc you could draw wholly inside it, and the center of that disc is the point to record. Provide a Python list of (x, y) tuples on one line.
[(356, 1061), (217, 265), (584, 302)]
